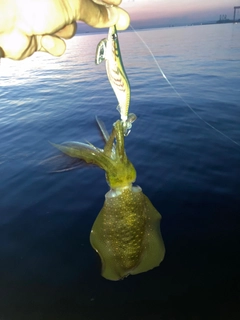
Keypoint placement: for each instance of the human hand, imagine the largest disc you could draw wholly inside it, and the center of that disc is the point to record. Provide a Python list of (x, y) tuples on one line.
[(27, 26)]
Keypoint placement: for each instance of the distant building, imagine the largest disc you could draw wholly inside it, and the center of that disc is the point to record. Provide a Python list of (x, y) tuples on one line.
[(223, 19)]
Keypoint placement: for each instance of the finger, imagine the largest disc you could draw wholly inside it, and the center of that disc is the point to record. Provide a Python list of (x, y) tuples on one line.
[(68, 31), (16, 45), (123, 21), (99, 16), (53, 45)]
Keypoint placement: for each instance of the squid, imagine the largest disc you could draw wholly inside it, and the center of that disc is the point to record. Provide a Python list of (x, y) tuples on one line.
[(126, 233)]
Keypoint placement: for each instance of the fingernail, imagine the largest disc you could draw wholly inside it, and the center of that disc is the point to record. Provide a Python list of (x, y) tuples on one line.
[(123, 20)]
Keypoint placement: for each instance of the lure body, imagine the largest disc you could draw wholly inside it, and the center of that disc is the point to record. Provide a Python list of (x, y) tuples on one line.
[(126, 233), (109, 50)]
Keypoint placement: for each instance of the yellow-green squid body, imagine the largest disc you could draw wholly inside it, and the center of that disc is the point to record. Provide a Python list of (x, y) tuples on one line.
[(126, 233)]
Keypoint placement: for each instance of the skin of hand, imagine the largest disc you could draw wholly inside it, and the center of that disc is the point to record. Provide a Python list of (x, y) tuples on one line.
[(27, 26)]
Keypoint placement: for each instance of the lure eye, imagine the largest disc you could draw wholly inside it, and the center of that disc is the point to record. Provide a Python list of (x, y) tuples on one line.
[(114, 36)]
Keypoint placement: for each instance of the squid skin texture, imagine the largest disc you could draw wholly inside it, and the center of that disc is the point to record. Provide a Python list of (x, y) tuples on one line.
[(126, 234)]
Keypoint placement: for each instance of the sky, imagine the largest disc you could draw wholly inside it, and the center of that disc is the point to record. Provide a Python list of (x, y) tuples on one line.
[(160, 13), (168, 12)]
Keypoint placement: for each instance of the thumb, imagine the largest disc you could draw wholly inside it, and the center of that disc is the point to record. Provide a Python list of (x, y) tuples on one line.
[(99, 16)]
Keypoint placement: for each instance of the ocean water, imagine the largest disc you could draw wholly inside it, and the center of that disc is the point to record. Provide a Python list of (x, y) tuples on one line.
[(185, 147)]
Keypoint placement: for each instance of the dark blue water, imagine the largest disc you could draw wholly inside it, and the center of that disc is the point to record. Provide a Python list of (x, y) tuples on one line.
[(191, 173)]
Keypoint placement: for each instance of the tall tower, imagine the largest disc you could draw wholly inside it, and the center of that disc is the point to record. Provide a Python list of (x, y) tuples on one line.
[(234, 13)]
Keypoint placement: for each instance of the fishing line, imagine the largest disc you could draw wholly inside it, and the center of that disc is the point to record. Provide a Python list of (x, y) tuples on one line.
[(178, 94)]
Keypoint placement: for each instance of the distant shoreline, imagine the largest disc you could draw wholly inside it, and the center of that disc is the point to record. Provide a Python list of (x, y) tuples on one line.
[(93, 30), (228, 21)]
